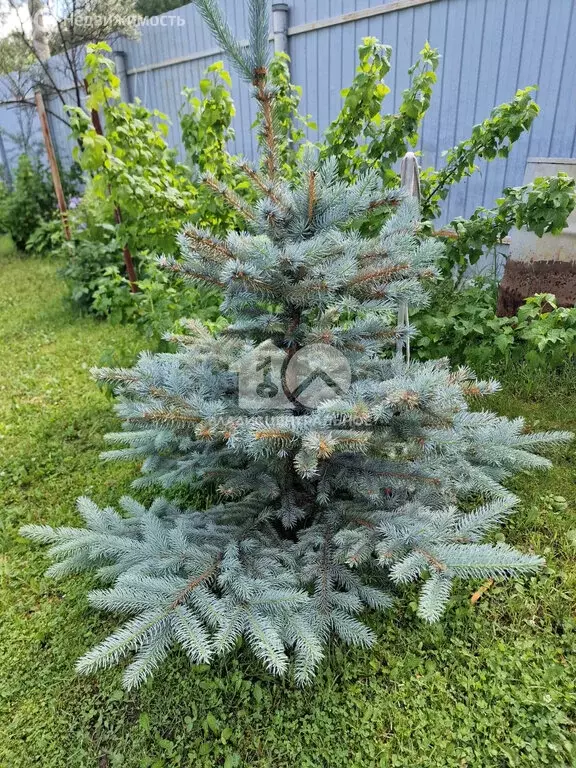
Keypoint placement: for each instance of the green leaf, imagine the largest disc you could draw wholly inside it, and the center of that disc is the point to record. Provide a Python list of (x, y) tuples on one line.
[(212, 723)]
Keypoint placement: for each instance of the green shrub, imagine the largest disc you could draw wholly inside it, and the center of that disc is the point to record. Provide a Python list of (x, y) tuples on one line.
[(96, 285), (7, 247), (87, 262), (132, 166), (93, 270), (47, 239), (31, 202), (541, 207), (32, 206), (4, 195), (362, 137), (462, 325), (206, 124)]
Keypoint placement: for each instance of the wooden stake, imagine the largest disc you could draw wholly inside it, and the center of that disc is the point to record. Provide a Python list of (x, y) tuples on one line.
[(52, 162)]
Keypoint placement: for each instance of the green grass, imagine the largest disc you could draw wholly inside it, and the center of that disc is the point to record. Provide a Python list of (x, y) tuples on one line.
[(491, 686)]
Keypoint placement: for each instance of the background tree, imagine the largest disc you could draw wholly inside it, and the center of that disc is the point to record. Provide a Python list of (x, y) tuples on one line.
[(363, 137), (156, 7), (43, 31)]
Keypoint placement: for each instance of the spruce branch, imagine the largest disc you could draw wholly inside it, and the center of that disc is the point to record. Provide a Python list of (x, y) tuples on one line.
[(203, 242), (265, 97), (150, 655), (191, 635), (190, 273), (133, 634), (182, 597), (311, 194), (252, 65), (382, 274), (166, 417), (214, 18), (259, 22), (114, 375), (234, 200), (262, 183)]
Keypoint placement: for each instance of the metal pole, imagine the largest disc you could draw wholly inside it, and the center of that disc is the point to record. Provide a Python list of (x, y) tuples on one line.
[(4, 158), (54, 170), (122, 72), (280, 27), (410, 175)]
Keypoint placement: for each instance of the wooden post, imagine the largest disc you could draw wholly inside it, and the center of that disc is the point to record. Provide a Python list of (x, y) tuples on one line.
[(128, 261), (54, 170), (410, 181)]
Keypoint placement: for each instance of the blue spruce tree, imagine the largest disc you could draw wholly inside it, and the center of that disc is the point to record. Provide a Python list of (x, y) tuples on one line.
[(341, 473)]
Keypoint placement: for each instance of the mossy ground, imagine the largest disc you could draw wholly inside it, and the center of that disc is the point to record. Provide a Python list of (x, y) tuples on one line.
[(491, 686)]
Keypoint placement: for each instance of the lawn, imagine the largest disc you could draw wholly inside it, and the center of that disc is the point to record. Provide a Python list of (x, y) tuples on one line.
[(491, 686)]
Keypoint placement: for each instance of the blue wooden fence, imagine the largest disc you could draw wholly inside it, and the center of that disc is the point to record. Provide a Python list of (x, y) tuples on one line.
[(490, 48)]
